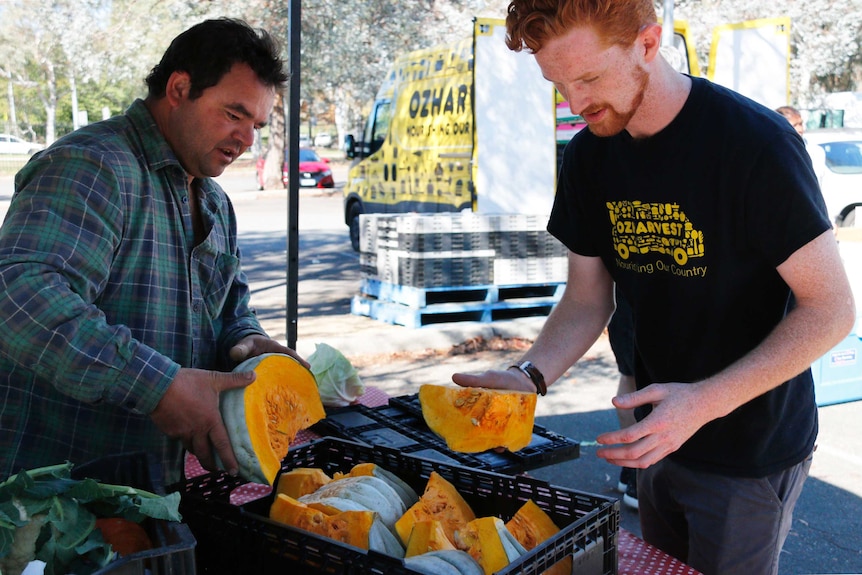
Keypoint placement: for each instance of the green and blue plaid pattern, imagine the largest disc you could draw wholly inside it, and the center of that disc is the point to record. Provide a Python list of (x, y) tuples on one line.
[(104, 294)]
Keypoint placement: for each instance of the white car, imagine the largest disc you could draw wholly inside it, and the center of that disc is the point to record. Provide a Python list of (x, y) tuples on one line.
[(837, 157), (323, 140), (13, 145)]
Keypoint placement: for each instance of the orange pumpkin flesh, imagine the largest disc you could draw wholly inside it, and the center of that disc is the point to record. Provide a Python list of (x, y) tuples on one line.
[(263, 418), (531, 526), (301, 481), (481, 539), (472, 419), (351, 527), (440, 501), (427, 535), (287, 404)]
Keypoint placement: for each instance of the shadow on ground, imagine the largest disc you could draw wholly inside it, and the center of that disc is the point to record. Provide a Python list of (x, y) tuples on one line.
[(327, 267)]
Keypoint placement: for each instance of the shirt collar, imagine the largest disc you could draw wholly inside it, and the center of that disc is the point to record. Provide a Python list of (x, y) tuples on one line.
[(157, 152)]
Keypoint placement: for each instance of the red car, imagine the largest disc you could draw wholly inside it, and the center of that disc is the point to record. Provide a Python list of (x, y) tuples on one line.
[(314, 171)]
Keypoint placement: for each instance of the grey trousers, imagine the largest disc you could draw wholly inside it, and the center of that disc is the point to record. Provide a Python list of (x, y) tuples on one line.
[(717, 524)]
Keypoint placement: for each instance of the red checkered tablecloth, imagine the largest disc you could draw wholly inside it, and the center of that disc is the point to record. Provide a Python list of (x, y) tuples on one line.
[(636, 556)]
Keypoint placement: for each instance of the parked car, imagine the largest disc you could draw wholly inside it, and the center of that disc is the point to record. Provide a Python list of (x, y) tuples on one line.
[(13, 145), (323, 140), (837, 157), (314, 171)]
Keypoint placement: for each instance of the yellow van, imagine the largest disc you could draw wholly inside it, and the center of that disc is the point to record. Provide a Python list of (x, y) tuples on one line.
[(474, 126), (463, 126)]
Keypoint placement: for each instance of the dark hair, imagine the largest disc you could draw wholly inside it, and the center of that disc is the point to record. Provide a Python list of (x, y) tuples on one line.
[(531, 23), (208, 50)]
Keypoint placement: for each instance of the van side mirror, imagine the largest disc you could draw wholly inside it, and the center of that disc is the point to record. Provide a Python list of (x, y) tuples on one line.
[(350, 146)]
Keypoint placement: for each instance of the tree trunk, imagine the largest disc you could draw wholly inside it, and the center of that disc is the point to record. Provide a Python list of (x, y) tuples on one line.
[(275, 153)]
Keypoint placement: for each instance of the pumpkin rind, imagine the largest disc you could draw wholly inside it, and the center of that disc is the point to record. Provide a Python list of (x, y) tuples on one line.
[(265, 416), (531, 526), (371, 492), (332, 505), (440, 501), (407, 494), (429, 564), (473, 419)]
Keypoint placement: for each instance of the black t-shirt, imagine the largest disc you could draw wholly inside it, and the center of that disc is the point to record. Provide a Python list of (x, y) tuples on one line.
[(691, 224)]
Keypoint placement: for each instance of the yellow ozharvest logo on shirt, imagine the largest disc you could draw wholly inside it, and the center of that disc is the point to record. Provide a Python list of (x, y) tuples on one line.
[(641, 228)]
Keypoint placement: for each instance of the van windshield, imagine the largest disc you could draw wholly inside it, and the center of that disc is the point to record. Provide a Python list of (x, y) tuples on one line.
[(378, 126)]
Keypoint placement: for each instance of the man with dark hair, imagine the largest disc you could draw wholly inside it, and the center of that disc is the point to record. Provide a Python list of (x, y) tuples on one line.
[(208, 51), (123, 298), (701, 207)]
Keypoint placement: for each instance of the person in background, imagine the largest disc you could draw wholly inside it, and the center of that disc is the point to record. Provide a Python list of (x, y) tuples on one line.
[(123, 297), (621, 338), (701, 208), (794, 117)]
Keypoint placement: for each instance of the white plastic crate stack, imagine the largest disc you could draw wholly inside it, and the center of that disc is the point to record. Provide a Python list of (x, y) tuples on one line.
[(432, 268)]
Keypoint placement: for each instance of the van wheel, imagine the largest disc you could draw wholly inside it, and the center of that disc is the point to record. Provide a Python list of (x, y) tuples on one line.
[(353, 223)]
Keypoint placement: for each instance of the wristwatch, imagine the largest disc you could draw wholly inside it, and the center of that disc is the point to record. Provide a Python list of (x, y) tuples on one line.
[(527, 368)]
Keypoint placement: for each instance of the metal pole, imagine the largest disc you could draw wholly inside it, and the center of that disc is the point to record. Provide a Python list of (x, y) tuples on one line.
[(667, 24), (294, 32)]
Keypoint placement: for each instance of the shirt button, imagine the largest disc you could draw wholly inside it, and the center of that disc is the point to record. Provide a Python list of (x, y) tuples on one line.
[(196, 306)]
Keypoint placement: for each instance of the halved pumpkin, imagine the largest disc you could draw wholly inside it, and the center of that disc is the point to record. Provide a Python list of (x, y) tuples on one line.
[(440, 501), (427, 535), (265, 416), (474, 419), (351, 527), (531, 526), (301, 481), (488, 541)]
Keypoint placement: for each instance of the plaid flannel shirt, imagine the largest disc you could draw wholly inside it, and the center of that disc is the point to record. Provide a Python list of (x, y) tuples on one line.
[(104, 295)]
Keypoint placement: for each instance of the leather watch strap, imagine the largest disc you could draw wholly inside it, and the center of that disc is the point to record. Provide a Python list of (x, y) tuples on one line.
[(531, 371)]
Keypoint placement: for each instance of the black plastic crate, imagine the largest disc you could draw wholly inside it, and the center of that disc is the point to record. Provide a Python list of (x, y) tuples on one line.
[(400, 425), (173, 550), (241, 539)]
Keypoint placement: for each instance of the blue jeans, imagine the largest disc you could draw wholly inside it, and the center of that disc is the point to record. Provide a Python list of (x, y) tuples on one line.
[(717, 524)]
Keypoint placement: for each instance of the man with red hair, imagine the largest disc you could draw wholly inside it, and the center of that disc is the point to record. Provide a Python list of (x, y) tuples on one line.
[(701, 207)]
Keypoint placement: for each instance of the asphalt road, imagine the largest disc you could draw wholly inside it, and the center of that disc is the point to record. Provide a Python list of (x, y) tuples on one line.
[(827, 528)]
